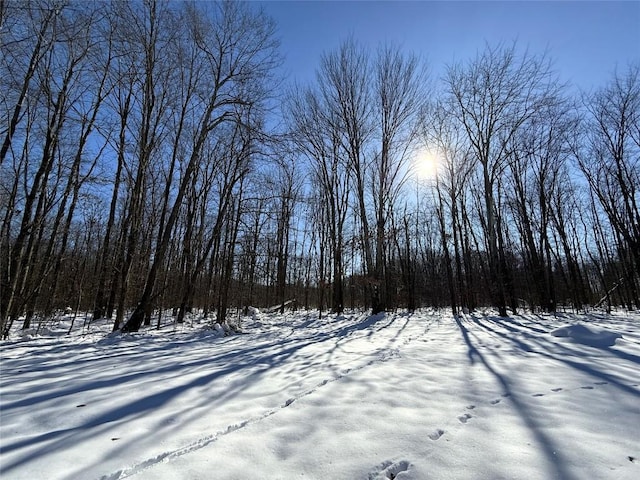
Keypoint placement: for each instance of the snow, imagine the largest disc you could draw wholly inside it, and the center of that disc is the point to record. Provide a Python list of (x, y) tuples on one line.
[(581, 334), (404, 396)]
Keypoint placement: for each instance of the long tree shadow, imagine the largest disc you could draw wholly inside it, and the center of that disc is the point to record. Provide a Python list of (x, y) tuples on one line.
[(136, 353), (134, 360), (253, 361), (568, 353), (257, 358), (546, 444), (596, 342), (375, 324)]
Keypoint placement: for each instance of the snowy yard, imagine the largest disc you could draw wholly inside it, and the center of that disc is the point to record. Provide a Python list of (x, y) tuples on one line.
[(421, 396)]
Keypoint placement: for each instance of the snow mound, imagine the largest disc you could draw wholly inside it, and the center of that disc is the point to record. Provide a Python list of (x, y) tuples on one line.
[(581, 334)]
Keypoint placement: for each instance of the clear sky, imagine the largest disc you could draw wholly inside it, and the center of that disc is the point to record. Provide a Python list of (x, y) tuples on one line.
[(586, 39)]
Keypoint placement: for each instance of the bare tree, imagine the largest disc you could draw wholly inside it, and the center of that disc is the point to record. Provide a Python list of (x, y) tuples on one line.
[(286, 186), (316, 134), (451, 152), (399, 93), (66, 100), (145, 31), (33, 43), (494, 95), (372, 107), (610, 162), (86, 105), (345, 88), (238, 53), (213, 215), (538, 167)]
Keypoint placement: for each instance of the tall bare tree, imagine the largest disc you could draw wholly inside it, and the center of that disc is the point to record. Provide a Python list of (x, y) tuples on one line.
[(344, 81), (65, 75), (399, 93), (494, 95), (317, 135), (238, 52), (537, 169), (450, 153), (610, 162)]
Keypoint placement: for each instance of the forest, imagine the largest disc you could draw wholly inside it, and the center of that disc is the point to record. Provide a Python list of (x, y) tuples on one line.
[(154, 160)]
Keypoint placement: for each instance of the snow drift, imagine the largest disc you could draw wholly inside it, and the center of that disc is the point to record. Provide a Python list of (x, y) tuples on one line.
[(581, 334)]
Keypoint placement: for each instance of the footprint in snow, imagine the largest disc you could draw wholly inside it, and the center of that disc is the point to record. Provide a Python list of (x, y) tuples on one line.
[(470, 407), (392, 471), (389, 470), (556, 389), (538, 395), (587, 387), (465, 418), (601, 383), (495, 402), (436, 434)]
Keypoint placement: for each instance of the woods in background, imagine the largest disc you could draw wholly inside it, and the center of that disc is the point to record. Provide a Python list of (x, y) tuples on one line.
[(152, 159)]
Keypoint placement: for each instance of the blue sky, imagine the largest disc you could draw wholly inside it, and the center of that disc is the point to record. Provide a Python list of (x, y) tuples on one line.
[(586, 40)]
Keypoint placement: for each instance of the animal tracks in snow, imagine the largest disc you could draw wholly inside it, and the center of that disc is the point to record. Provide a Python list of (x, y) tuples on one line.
[(583, 387), (389, 470), (207, 440), (466, 417)]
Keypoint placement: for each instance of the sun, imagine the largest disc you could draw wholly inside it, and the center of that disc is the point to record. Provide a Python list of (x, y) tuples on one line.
[(425, 164)]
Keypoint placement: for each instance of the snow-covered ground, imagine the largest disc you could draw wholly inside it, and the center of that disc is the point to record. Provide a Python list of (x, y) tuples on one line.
[(405, 396)]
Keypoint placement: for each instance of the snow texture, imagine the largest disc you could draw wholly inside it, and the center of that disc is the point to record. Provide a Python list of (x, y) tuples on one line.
[(396, 396), (581, 334)]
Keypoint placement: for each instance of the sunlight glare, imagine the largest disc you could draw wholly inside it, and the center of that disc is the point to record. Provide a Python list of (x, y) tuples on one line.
[(425, 165)]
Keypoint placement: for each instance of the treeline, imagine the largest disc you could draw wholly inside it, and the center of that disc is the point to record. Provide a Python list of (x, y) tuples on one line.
[(152, 159)]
